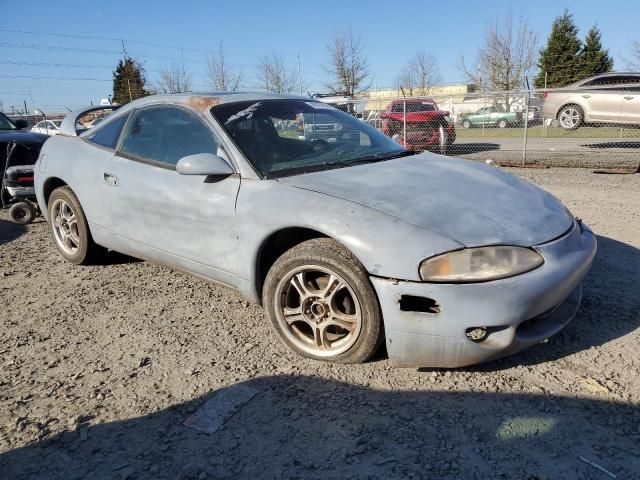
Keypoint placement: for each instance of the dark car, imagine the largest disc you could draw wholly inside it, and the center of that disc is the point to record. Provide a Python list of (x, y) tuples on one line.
[(19, 150)]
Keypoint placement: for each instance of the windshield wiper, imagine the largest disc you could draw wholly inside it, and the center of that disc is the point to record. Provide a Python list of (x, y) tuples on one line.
[(372, 158)]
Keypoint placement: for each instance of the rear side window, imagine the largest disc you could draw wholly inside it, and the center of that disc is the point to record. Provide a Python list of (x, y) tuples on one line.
[(420, 107), (107, 135), (612, 80), (166, 134)]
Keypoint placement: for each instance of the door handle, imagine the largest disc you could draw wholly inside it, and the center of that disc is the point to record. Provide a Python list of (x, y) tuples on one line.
[(586, 96), (628, 98), (110, 179)]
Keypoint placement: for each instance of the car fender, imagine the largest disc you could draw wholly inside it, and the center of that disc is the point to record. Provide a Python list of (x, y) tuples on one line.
[(567, 101), (62, 158), (385, 245)]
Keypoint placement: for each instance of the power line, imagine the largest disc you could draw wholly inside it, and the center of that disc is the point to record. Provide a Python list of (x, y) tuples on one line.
[(28, 77), (45, 64)]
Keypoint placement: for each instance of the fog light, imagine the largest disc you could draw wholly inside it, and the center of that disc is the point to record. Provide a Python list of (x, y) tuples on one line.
[(477, 334)]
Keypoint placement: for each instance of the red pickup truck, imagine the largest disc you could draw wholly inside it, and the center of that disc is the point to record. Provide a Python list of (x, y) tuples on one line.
[(427, 127)]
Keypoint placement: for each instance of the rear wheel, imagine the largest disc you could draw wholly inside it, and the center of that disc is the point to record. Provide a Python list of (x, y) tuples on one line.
[(22, 213), (322, 304), (502, 123), (570, 117), (466, 124), (69, 228)]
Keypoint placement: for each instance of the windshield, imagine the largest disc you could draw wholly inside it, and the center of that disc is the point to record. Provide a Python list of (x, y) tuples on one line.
[(5, 123), (289, 137)]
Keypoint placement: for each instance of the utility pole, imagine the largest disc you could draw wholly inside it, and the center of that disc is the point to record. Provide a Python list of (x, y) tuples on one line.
[(299, 75), (31, 97), (130, 96)]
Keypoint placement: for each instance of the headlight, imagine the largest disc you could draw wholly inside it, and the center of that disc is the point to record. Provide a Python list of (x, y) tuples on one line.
[(479, 264)]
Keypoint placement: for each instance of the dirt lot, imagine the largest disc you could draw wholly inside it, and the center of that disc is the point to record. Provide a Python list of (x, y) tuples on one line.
[(101, 366)]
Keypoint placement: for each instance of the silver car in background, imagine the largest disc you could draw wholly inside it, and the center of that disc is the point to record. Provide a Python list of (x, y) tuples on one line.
[(347, 241), (609, 98)]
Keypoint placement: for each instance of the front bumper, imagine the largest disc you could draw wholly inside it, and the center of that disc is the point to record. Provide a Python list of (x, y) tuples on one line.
[(518, 312)]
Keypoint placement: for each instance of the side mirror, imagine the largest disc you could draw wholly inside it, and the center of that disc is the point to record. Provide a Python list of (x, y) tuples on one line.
[(203, 164), (20, 124)]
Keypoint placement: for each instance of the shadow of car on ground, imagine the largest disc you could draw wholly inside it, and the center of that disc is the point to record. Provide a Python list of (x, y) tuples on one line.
[(310, 427), (604, 145), (460, 148), (9, 231)]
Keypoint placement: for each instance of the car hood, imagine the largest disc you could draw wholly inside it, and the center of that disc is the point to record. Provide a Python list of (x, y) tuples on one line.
[(469, 202)]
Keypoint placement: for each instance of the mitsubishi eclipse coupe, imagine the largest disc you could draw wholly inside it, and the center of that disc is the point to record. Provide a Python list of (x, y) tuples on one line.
[(345, 237)]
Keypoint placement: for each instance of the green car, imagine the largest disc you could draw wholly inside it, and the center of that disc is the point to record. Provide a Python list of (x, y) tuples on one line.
[(491, 116)]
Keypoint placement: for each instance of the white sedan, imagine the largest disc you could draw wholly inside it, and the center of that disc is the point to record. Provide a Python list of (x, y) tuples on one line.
[(48, 127)]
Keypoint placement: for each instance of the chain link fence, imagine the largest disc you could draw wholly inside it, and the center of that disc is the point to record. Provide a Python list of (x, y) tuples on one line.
[(580, 127)]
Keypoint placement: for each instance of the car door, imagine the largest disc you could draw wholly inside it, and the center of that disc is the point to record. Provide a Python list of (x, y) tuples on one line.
[(630, 111), (491, 116), (186, 221)]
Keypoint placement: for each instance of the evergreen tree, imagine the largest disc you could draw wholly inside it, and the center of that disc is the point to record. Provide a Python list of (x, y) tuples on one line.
[(593, 58), (559, 60), (129, 82)]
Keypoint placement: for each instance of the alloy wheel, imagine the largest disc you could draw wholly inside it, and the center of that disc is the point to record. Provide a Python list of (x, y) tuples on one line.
[(318, 311), (65, 227), (569, 117)]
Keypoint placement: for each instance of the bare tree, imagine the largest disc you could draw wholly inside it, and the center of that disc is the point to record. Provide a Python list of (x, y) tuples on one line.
[(634, 63), (506, 57), (420, 74), (174, 79), (348, 65), (273, 75), (221, 75)]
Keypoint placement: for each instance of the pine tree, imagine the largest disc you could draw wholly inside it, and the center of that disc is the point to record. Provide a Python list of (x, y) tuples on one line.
[(129, 82), (593, 58), (559, 60)]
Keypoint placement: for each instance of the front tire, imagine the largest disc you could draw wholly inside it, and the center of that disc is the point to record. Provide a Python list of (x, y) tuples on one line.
[(322, 304), (502, 123), (466, 124), (69, 228)]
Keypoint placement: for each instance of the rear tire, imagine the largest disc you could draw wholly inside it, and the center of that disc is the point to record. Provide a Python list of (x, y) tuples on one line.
[(22, 213), (502, 123), (69, 228), (322, 304), (570, 117), (466, 124)]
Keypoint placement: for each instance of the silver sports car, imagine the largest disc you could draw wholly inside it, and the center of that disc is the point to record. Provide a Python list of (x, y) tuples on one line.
[(346, 238)]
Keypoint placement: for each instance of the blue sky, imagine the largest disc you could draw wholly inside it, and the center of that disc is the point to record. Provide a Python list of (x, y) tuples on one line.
[(78, 70)]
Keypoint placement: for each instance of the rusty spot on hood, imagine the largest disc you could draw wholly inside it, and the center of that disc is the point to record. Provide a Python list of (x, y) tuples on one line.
[(202, 103)]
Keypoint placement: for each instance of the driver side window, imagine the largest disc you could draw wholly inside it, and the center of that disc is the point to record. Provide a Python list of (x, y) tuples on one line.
[(165, 134)]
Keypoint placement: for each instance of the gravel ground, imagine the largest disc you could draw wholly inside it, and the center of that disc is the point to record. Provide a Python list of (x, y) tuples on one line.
[(101, 366)]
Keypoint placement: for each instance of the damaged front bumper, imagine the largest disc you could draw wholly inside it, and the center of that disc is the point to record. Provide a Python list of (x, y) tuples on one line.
[(433, 329)]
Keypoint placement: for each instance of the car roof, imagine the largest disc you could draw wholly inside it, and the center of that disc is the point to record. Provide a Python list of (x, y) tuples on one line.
[(206, 100), (414, 99), (605, 75)]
